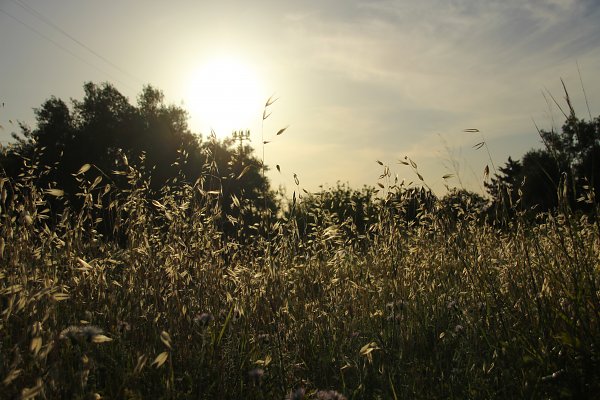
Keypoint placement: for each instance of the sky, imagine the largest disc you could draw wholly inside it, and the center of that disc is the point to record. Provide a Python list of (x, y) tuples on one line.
[(356, 82)]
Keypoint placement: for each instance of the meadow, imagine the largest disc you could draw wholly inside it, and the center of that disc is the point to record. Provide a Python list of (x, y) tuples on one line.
[(442, 305)]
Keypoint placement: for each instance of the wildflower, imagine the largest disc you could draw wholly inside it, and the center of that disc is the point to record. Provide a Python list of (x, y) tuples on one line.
[(88, 333), (297, 394), (87, 316), (329, 395), (263, 337), (395, 306), (123, 326), (203, 319), (256, 375), (72, 332)]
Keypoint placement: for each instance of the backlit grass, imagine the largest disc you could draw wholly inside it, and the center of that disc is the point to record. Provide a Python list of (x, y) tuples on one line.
[(442, 306)]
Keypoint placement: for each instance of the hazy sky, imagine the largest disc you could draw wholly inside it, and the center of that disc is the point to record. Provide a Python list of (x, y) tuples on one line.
[(357, 81)]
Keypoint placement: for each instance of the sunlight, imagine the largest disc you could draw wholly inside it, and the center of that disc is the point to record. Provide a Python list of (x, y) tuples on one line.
[(225, 95)]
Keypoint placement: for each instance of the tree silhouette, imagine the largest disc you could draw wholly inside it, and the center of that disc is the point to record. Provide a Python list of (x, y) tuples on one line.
[(569, 160), (353, 210), (103, 128), (460, 204), (504, 185)]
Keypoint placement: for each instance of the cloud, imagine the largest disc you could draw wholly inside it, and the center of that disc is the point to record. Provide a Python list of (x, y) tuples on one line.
[(385, 41), (405, 72), (359, 80)]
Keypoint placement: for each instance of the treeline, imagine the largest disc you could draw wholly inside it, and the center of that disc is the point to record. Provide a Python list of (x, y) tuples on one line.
[(566, 172), (105, 132)]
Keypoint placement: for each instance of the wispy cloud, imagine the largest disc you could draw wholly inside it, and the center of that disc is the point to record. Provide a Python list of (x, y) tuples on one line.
[(435, 66), (360, 80), (396, 42)]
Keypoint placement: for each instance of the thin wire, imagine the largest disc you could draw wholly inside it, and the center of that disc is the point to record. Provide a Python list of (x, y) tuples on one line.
[(65, 49), (43, 18)]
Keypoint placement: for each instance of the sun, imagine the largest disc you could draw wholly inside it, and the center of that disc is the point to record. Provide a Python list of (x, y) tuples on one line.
[(225, 95)]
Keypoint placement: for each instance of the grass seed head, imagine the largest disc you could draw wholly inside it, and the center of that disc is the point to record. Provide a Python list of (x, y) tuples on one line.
[(329, 395)]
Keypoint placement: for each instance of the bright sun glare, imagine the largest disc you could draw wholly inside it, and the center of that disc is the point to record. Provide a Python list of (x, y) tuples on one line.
[(225, 95)]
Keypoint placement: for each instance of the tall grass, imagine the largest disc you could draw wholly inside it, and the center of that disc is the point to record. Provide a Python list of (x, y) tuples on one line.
[(438, 307)]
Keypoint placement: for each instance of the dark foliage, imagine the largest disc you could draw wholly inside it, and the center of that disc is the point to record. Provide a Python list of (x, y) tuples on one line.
[(105, 131), (568, 167), (459, 204), (353, 209)]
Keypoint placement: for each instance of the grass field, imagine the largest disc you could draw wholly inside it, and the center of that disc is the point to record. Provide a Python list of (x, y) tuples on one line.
[(442, 306)]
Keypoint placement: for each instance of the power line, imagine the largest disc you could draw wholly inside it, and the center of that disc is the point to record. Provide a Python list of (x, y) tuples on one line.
[(44, 19), (65, 49)]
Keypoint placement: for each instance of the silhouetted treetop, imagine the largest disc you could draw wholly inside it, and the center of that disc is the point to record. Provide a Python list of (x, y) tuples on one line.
[(570, 159), (104, 126)]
